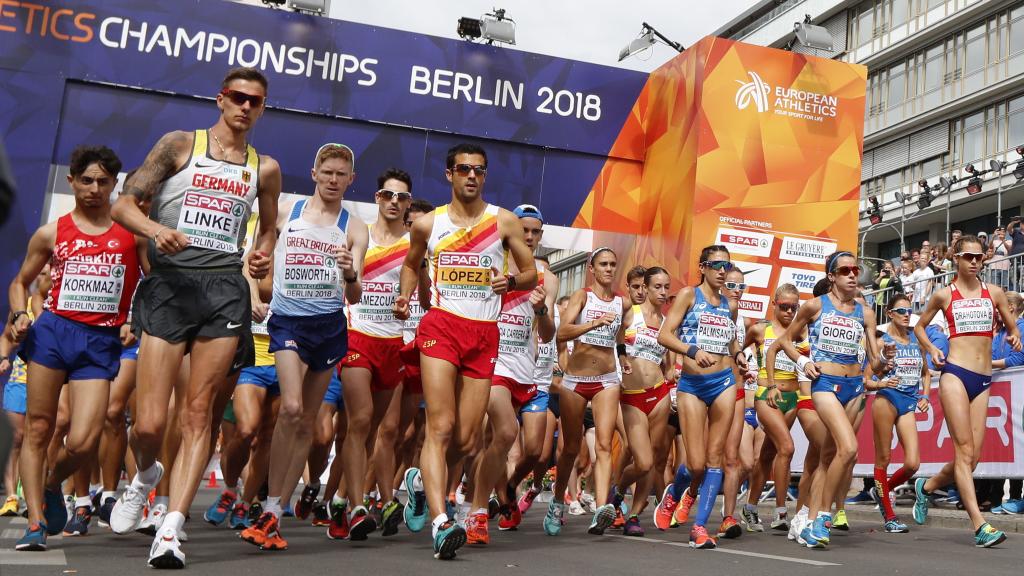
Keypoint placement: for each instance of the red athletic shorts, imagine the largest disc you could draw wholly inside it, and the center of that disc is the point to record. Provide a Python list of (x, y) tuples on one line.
[(413, 384), (470, 345), (521, 393), (646, 399), (804, 404), (740, 393), (378, 355), (590, 386)]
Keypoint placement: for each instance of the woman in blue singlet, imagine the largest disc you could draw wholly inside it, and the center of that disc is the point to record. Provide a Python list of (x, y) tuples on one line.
[(837, 323)]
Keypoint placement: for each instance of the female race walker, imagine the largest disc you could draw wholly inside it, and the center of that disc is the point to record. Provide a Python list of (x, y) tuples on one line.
[(969, 306)]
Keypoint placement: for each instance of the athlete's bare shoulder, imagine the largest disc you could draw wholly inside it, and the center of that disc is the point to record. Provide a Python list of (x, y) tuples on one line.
[(269, 166)]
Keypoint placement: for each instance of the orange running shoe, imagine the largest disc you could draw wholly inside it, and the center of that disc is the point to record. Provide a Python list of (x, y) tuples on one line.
[(509, 517), (476, 529), (273, 541), (258, 532), (682, 513), (730, 528), (700, 539), (664, 510), (620, 520)]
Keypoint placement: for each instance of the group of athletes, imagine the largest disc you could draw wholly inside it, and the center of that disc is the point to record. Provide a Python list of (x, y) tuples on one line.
[(428, 350)]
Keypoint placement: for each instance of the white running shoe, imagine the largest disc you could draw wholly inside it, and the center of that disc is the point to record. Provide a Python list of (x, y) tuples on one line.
[(576, 509), (796, 526), (127, 513), (588, 503), (182, 536), (153, 521), (166, 552)]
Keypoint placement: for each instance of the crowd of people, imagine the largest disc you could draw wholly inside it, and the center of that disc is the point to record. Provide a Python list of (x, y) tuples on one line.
[(428, 351)]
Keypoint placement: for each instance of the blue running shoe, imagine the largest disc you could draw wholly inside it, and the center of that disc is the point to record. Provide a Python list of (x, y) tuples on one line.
[(894, 526), (287, 511), (987, 536), (240, 517), (415, 512), (1010, 507), (603, 518), (807, 538), (920, 502), (449, 538), (79, 523), (553, 519), (219, 511), (54, 511), (819, 528), (105, 510), (34, 539), (861, 497)]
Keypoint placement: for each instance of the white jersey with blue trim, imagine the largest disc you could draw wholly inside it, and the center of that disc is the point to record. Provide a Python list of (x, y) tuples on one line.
[(307, 279)]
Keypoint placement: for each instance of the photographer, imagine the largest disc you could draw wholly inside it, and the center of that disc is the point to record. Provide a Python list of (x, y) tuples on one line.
[(887, 283), (1016, 236)]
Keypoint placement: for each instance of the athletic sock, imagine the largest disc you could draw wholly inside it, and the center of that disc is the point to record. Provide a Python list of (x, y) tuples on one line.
[(337, 501), (900, 477), (146, 477), (107, 494), (681, 482), (94, 488), (804, 511), (273, 506), (882, 486), (781, 511), (158, 500), (749, 507), (708, 492), (437, 522), (83, 501), (172, 522)]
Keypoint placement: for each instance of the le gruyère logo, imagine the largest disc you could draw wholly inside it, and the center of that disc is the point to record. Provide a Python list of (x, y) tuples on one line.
[(755, 91)]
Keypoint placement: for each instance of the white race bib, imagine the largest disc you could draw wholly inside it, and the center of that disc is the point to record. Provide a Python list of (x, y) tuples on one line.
[(212, 222), (91, 287)]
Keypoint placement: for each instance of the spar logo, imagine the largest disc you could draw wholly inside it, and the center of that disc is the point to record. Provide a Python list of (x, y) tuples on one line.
[(309, 260), (463, 259), (746, 241), (756, 91)]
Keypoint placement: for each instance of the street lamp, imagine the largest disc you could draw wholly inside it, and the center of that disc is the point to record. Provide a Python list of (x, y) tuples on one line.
[(974, 184), (875, 212), (648, 37), (946, 184), (492, 27), (924, 199)]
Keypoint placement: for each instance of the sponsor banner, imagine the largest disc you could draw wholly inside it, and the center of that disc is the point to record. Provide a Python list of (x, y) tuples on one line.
[(1002, 454), (803, 279), (756, 275), (746, 241), (753, 306), (806, 250)]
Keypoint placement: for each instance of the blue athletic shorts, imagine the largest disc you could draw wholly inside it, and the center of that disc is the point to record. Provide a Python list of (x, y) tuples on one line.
[(707, 387), (334, 395), (539, 403), (320, 341), (84, 352), (263, 376), (902, 401), (750, 417), (14, 397), (974, 382), (131, 353), (845, 388)]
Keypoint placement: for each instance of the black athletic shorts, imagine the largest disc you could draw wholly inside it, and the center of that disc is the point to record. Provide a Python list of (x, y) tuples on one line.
[(179, 305), (588, 418), (553, 405)]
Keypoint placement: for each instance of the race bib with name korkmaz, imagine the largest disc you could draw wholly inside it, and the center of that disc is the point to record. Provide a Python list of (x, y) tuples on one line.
[(91, 287)]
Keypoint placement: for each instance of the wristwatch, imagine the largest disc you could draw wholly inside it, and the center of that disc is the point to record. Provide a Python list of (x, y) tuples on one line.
[(18, 314)]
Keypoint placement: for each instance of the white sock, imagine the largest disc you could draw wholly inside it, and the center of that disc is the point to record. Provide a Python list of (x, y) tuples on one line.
[(273, 506), (83, 501), (804, 511), (823, 513), (417, 482), (94, 488), (437, 522), (146, 478), (780, 510), (107, 494), (172, 522), (165, 500), (749, 506), (480, 511)]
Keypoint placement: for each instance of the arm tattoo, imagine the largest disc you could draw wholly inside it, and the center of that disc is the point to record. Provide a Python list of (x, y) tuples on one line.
[(160, 163)]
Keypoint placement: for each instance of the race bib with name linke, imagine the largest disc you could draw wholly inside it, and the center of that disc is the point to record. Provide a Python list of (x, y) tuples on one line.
[(212, 222)]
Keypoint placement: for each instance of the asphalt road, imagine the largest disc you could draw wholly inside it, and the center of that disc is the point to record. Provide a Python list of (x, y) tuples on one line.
[(217, 551)]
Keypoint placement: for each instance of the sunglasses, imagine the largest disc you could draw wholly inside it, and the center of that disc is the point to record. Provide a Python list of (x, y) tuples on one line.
[(846, 270), (971, 256), (735, 286), (902, 310), (387, 195), (240, 98), (788, 307), (465, 169), (718, 265)]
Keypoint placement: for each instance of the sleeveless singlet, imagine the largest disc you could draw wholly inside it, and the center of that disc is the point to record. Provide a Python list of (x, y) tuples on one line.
[(209, 201), (836, 336), (517, 342), (707, 326), (382, 267), (785, 369), (547, 355), (460, 265), (909, 363), (595, 308), (307, 280), (970, 316), (642, 339), (93, 277)]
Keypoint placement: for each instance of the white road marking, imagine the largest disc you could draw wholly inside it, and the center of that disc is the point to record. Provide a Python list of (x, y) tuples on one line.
[(48, 558), (726, 551)]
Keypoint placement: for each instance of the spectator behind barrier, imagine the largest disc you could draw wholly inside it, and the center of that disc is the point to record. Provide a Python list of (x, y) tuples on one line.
[(1003, 355)]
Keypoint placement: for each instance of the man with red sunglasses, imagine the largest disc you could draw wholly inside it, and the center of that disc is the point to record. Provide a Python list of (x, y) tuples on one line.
[(202, 185)]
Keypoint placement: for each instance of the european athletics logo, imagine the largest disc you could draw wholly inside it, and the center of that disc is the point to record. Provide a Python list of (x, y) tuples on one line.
[(756, 90)]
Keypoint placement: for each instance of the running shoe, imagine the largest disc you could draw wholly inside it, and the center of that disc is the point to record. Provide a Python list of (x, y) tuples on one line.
[(682, 513), (306, 502), (894, 526), (69, 505), (920, 502), (265, 533), (663, 511), (526, 500), (493, 507), (10, 507), (796, 526), (587, 502), (700, 539), (165, 553), (620, 519), (338, 529), (781, 521), (449, 538), (360, 524), (450, 508), (840, 522), (34, 539), (255, 511), (390, 517), (729, 528), (875, 496), (553, 520), (751, 520), (79, 523), (239, 517), (633, 527), (807, 538), (576, 509), (476, 530), (509, 517), (415, 511), (219, 511), (152, 522), (819, 528), (376, 512), (54, 512), (1010, 507), (104, 513), (603, 519), (862, 497), (987, 536), (127, 513), (287, 511)]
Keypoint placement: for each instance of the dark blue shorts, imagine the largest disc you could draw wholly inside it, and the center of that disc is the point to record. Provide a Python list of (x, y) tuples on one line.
[(320, 341), (901, 401), (333, 395), (707, 387), (845, 388), (84, 352), (131, 353), (973, 382), (539, 403), (750, 417), (263, 376), (553, 405)]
